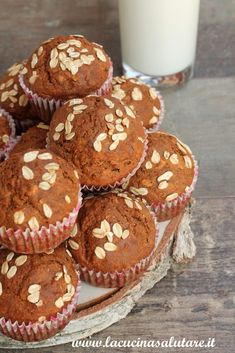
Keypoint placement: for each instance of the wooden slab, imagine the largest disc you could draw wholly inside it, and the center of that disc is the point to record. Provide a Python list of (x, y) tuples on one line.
[(97, 311)]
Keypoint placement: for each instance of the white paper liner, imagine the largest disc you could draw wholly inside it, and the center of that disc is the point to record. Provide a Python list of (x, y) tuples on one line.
[(118, 183), (46, 107), (124, 277), (12, 135), (37, 331), (42, 240), (10, 148)]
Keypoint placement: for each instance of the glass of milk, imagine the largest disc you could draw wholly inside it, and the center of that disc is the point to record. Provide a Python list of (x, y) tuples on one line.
[(158, 39)]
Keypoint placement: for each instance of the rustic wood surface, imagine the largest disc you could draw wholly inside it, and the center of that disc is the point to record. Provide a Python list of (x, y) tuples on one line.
[(196, 300)]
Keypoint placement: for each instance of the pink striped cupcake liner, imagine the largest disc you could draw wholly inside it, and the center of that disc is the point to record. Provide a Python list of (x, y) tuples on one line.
[(43, 240), (11, 146), (46, 107), (38, 331), (119, 279), (11, 141), (170, 209)]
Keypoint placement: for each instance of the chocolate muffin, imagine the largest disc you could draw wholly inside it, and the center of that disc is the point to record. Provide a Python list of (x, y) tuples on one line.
[(7, 132), (39, 197), (115, 238), (12, 96), (101, 137), (36, 290), (65, 67), (167, 177), (33, 138), (145, 101)]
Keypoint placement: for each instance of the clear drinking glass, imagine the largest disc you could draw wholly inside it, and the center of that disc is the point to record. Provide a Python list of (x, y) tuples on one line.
[(158, 39)]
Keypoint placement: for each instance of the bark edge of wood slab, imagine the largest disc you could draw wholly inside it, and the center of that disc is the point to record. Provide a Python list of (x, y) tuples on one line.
[(176, 245)]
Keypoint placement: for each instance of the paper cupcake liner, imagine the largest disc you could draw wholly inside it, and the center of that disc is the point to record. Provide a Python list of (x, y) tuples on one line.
[(37, 331), (43, 240), (155, 127), (119, 279), (11, 146), (45, 107), (86, 188), (170, 209), (12, 135)]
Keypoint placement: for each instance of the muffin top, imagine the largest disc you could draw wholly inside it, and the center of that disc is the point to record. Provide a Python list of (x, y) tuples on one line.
[(5, 131), (33, 138), (143, 99), (115, 232), (37, 188), (35, 287), (100, 136), (67, 66), (168, 170), (12, 96)]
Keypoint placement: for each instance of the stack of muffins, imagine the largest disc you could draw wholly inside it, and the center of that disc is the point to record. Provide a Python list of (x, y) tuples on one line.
[(82, 184)]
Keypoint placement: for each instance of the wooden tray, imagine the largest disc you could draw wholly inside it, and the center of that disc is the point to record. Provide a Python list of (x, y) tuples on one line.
[(99, 308)]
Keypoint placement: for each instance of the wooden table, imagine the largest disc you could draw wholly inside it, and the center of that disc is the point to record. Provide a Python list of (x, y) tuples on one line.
[(197, 300)]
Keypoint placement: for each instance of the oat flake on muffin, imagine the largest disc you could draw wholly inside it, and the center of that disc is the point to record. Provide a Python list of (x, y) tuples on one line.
[(101, 136), (75, 66), (167, 177), (34, 291), (145, 101), (115, 238), (12, 96), (39, 195)]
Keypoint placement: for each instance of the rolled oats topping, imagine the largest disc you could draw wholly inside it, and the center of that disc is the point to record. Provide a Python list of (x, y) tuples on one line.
[(103, 129), (12, 96), (168, 169), (108, 231), (6, 132), (33, 277), (146, 103), (39, 181), (19, 217), (70, 60), (73, 244), (110, 240)]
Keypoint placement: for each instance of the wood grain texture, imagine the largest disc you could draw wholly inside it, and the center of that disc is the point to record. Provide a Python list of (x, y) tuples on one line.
[(194, 301), (201, 113)]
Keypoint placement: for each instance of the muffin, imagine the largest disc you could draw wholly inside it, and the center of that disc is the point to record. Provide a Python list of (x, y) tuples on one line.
[(115, 240), (65, 67), (33, 138), (101, 137), (12, 96), (40, 198), (167, 177), (145, 101), (38, 294), (7, 132)]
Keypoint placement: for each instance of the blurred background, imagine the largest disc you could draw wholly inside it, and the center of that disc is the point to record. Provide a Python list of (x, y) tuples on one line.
[(25, 23)]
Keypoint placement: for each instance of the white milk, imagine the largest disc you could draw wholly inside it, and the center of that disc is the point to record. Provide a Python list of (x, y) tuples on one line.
[(158, 37)]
